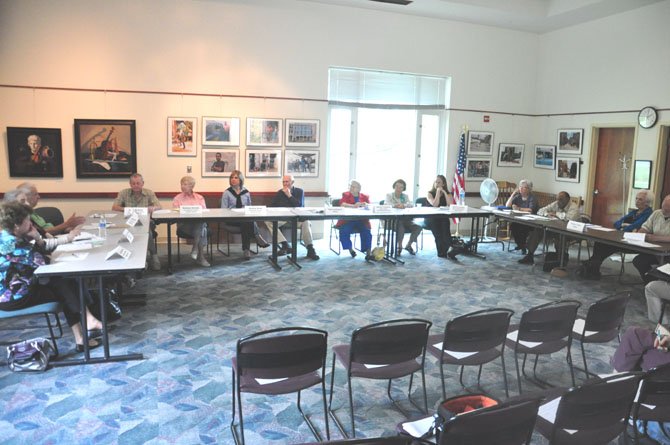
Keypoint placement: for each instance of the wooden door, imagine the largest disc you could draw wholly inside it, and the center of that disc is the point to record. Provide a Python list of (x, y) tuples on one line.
[(608, 189)]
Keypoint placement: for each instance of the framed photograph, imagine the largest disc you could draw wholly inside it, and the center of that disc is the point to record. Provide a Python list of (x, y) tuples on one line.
[(181, 136), (302, 163), (510, 155), (545, 156), (567, 169), (35, 152), (477, 169), (480, 143), (263, 163), (105, 148), (221, 131), (302, 132), (264, 132), (219, 162), (642, 175), (570, 141)]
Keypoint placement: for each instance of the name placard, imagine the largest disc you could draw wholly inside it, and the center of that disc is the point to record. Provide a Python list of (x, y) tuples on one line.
[(127, 211), (134, 220), (255, 210), (190, 210), (634, 236), (382, 208), (576, 226), (458, 208), (127, 236), (118, 252)]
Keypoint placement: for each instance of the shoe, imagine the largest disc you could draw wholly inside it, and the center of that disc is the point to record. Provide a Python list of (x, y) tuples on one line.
[(194, 253), (155, 263), (247, 254), (284, 249), (80, 348), (261, 242), (442, 255), (528, 259), (452, 254), (203, 262), (517, 247), (352, 252), (368, 257), (409, 249), (311, 253)]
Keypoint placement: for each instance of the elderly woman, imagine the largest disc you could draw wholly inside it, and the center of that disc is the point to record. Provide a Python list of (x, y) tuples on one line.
[(21, 252), (439, 196), (355, 199), (236, 197), (400, 200), (195, 230), (522, 200)]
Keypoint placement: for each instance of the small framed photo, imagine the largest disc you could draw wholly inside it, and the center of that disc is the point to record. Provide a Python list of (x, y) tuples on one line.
[(567, 169), (263, 163), (510, 155), (219, 162), (477, 169), (545, 156), (35, 152), (302, 163), (570, 141), (642, 175), (480, 143), (105, 148), (182, 136), (221, 131), (302, 132), (264, 132)]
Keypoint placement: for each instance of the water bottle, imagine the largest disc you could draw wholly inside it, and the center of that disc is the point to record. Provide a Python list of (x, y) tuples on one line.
[(102, 227), (461, 197)]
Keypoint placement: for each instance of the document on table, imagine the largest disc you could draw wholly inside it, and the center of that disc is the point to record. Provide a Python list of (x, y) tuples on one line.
[(534, 218), (74, 247), (71, 257), (601, 228), (162, 211), (641, 243)]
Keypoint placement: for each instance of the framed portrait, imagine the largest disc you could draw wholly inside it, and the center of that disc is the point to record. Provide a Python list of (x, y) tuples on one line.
[(265, 163), (570, 141), (302, 132), (181, 136), (480, 143), (301, 163), (567, 169), (219, 162), (545, 156), (477, 169), (105, 148), (221, 131), (642, 175), (510, 155), (35, 152), (264, 132)]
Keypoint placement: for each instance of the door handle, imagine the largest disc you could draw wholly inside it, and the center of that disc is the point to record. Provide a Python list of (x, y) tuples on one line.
[(595, 191)]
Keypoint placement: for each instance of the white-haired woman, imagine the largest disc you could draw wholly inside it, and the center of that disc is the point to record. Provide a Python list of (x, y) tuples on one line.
[(195, 230), (522, 200)]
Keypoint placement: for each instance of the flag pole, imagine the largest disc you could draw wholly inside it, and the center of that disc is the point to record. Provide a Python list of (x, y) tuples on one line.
[(459, 175)]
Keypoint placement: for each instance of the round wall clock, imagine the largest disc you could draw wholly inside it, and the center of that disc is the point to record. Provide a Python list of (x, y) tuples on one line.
[(647, 117)]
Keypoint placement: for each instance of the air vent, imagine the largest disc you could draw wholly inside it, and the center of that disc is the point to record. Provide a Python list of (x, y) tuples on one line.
[(394, 2)]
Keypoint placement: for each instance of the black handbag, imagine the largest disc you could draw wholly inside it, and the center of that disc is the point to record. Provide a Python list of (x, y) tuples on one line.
[(30, 355)]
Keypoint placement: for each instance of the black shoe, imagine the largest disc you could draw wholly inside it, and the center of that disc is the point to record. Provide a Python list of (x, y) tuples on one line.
[(452, 254), (80, 348), (517, 247), (283, 250), (528, 259), (311, 253), (410, 250), (368, 257), (352, 252), (441, 255)]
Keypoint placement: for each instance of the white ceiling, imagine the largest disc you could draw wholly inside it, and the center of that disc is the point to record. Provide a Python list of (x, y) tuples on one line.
[(537, 16)]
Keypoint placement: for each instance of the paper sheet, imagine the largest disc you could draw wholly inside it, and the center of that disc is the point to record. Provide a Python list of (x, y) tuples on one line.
[(74, 247), (664, 268), (578, 327), (548, 412), (270, 381), (71, 257), (418, 428), (601, 228), (641, 243), (162, 211), (529, 344), (455, 354)]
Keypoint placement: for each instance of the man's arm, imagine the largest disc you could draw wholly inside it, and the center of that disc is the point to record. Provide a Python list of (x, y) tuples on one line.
[(119, 204), (67, 225)]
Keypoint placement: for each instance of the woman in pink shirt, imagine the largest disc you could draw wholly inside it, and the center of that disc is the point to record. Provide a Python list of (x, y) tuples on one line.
[(195, 230)]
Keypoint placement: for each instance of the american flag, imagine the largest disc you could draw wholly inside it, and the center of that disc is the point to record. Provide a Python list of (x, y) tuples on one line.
[(459, 178)]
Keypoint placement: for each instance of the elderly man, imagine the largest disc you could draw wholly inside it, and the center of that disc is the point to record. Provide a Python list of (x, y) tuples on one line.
[(32, 198), (291, 196), (563, 209), (138, 196), (657, 230), (657, 293)]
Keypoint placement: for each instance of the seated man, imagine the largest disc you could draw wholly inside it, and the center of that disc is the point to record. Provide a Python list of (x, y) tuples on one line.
[(631, 222), (32, 198), (656, 293), (138, 196), (657, 230), (290, 196), (563, 209)]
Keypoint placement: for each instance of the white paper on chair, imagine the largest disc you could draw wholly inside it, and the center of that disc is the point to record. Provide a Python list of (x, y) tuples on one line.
[(455, 354), (578, 328), (270, 381), (373, 366), (664, 268), (548, 412), (418, 428), (529, 344)]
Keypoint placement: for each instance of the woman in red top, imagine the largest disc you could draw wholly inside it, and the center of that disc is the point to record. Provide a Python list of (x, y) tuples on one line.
[(355, 199)]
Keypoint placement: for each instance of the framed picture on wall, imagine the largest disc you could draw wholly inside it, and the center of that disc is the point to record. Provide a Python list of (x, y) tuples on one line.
[(570, 141), (35, 152), (302, 163), (264, 132), (181, 136), (302, 132), (567, 169), (480, 143), (477, 169), (105, 148), (221, 131), (219, 162), (510, 155), (545, 156), (263, 163), (642, 175)]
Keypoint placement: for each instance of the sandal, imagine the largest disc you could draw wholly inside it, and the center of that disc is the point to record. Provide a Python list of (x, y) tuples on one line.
[(92, 344)]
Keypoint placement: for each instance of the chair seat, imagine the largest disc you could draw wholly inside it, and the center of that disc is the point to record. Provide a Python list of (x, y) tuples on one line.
[(547, 347), (595, 337), (478, 358), (52, 307), (373, 371), (286, 386)]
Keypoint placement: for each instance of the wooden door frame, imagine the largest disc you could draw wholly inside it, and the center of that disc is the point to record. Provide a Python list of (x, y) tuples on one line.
[(658, 169)]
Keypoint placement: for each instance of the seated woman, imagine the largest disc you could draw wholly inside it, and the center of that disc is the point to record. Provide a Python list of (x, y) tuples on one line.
[(354, 198), (439, 196), (524, 201), (236, 197), (400, 200), (21, 252), (195, 230)]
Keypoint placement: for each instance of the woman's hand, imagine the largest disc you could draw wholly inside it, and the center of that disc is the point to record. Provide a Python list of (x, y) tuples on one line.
[(662, 343)]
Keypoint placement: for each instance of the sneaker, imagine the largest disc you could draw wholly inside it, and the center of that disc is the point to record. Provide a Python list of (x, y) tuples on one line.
[(194, 253), (155, 262), (203, 262), (247, 254), (528, 259), (311, 253)]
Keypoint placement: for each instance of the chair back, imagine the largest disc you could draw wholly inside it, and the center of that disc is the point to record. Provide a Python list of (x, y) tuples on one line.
[(549, 322), (335, 202), (653, 400), (505, 190), (51, 215), (423, 201), (606, 315), (390, 342), (477, 331)]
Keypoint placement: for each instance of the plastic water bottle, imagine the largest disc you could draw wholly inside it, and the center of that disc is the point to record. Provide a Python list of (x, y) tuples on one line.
[(461, 197), (102, 227)]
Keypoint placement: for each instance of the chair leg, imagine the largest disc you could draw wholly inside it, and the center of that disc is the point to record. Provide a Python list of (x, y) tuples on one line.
[(502, 358), (331, 413), (239, 438), (518, 375), (51, 332), (316, 434), (325, 407), (444, 392), (572, 371), (351, 407)]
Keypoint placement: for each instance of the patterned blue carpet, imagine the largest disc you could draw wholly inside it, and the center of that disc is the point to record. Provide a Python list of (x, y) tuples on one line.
[(181, 392)]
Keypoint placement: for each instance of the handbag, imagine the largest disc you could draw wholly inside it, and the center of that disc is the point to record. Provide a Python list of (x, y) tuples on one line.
[(30, 355)]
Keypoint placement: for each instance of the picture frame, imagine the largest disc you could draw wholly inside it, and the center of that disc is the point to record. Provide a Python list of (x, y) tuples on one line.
[(182, 136), (568, 169), (642, 175), (219, 162), (221, 131), (477, 169), (301, 163), (105, 148), (570, 141), (545, 156), (510, 155), (480, 143), (264, 132), (302, 132), (35, 152), (263, 163)]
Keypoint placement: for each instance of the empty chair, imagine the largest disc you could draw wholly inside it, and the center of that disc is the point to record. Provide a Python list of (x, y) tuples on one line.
[(384, 351), (472, 340), (229, 230), (652, 403), (279, 361), (47, 309)]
